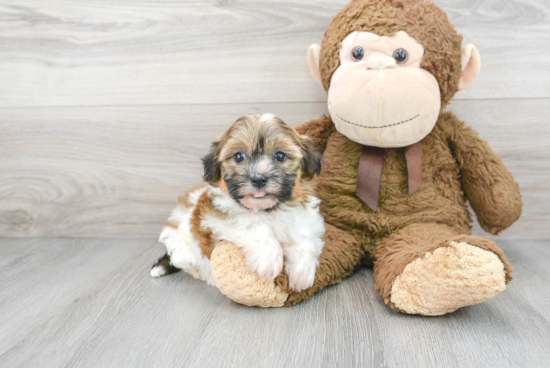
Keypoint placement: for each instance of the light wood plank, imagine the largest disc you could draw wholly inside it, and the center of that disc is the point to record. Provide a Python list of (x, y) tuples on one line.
[(100, 171), (41, 277), (56, 53), (125, 318), (117, 171)]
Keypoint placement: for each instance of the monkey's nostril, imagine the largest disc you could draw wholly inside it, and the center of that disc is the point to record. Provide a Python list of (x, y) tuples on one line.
[(258, 181)]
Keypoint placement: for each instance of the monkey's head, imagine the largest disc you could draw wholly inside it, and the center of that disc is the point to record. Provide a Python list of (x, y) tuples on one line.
[(389, 66)]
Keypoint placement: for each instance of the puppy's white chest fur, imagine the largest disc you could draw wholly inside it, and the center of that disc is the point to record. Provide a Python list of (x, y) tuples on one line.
[(290, 232), (287, 224)]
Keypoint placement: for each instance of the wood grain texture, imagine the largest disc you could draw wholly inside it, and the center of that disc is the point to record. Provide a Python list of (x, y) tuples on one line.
[(114, 171), (106, 106), (82, 53), (117, 171), (117, 316)]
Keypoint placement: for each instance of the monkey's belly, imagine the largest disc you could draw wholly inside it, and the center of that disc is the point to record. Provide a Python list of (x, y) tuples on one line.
[(439, 200)]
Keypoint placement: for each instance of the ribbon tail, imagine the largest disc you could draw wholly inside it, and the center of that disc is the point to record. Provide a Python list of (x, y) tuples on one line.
[(369, 174), (413, 156)]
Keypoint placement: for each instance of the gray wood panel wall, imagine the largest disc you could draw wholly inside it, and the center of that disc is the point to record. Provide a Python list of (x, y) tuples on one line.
[(106, 105)]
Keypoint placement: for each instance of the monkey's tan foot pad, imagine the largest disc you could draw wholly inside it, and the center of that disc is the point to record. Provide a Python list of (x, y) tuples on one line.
[(448, 278), (235, 281)]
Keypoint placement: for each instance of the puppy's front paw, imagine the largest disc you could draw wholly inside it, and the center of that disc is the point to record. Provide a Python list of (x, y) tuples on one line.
[(301, 274), (266, 259), (268, 269)]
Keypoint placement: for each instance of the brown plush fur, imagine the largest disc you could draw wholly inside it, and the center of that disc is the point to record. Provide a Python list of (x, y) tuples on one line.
[(454, 157), (457, 166)]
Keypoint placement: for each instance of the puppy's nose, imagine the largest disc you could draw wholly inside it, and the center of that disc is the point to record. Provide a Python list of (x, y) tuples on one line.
[(258, 181)]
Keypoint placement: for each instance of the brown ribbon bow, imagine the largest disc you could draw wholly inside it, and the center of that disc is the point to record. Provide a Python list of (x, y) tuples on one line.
[(369, 172)]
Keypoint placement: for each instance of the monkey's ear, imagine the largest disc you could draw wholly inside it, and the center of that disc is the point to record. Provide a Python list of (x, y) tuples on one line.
[(471, 63), (212, 165), (311, 162), (313, 54)]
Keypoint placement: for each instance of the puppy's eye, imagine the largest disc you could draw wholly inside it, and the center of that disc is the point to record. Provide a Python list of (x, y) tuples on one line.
[(357, 53), (280, 156), (239, 157), (400, 56)]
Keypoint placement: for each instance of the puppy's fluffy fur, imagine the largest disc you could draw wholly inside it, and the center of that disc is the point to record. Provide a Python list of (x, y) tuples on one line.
[(258, 196)]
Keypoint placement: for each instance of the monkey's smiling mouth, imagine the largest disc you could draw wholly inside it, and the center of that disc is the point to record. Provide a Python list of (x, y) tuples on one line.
[(377, 127)]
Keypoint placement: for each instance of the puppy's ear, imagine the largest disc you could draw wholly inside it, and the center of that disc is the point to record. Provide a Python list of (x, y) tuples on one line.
[(311, 162), (212, 165)]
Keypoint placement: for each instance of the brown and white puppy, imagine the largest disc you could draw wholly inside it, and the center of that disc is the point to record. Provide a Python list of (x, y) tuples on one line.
[(257, 195)]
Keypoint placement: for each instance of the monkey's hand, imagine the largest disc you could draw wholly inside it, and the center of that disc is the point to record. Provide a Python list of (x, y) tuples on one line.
[(489, 186)]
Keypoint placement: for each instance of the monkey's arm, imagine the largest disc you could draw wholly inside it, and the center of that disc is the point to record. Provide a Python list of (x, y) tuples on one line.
[(319, 131), (489, 186)]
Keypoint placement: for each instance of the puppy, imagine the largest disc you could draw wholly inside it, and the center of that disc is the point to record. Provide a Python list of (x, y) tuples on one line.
[(258, 196)]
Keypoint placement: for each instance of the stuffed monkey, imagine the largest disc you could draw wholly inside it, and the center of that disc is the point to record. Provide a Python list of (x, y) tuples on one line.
[(397, 169)]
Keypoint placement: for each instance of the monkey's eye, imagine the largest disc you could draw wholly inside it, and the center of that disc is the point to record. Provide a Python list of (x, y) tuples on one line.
[(239, 157), (400, 56), (357, 53), (280, 156)]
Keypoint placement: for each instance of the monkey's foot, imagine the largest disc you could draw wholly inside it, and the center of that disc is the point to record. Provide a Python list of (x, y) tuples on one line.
[(451, 277), (235, 281)]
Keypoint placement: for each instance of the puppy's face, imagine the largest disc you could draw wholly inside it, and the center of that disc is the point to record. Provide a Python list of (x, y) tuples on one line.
[(260, 161)]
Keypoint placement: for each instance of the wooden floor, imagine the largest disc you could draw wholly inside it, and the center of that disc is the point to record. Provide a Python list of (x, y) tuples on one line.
[(91, 303)]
